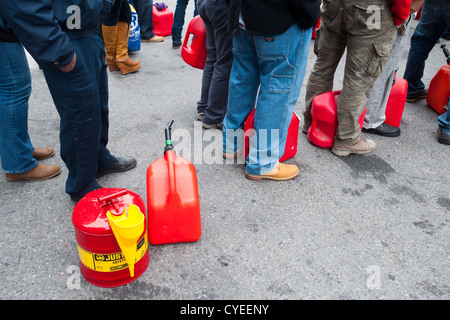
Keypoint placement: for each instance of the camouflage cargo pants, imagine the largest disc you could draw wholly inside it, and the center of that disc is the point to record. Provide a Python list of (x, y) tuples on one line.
[(365, 29)]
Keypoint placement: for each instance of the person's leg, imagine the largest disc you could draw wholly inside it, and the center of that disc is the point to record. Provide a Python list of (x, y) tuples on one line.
[(81, 119), (210, 58), (427, 33), (144, 9), (367, 52), (178, 20), (329, 47), (220, 56), (243, 88), (378, 96), (282, 63), (16, 149)]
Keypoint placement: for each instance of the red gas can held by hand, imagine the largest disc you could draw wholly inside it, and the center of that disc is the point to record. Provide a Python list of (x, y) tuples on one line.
[(193, 50), (325, 120), (396, 102), (172, 198), (290, 149), (162, 20), (115, 253), (439, 89)]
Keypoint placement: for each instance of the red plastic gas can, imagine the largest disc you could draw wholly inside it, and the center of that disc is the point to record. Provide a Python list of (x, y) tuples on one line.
[(172, 198), (396, 102), (101, 260), (162, 21), (439, 90), (193, 50), (325, 120), (290, 149)]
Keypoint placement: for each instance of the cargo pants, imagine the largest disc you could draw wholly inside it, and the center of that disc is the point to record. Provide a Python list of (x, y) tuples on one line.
[(366, 30)]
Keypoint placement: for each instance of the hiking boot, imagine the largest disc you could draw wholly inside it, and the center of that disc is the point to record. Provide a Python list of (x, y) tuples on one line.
[(361, 147), (281, 172), (412, 98)]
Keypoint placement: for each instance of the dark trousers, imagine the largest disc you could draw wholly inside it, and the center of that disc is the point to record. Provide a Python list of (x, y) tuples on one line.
[(81, 99), (145, 15), (219, 59), (120, 11)]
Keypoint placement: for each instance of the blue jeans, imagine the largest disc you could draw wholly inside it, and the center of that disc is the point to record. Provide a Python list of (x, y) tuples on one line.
[(15, 88), (444, 121), (434, 19), (276, 66), (178, 19)]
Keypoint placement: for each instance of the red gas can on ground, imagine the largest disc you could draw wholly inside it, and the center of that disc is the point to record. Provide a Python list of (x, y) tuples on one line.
[(101, 260), (439, 90), (162, 22), (396, 102), (290, 149), (325, 120), (172, 199), (193, 50)]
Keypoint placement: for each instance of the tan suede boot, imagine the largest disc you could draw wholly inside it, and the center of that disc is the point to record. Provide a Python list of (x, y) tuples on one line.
[(41, 172), (110, 39), (123, 61)]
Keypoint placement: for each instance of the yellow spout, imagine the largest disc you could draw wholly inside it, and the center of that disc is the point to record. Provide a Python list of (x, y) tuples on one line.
[(127, 229)]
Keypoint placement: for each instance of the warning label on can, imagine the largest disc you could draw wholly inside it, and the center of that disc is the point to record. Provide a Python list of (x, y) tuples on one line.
[(110, 262)]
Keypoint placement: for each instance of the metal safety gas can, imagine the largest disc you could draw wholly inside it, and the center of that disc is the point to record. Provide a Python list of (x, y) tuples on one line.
[(108, 257)]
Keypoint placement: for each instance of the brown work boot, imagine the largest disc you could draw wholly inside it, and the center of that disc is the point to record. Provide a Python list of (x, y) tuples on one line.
[(43, 153), (360, 147), (41, 172), (282, 172)]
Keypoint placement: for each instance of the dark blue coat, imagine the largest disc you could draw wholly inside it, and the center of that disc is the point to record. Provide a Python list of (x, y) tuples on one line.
[(45, 27)]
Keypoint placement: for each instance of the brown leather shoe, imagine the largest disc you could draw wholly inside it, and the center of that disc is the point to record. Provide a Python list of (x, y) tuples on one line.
[(43, 153), (281, 173), (41, 172)]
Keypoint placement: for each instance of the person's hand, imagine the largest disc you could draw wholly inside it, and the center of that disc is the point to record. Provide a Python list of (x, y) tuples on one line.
[(69, 67)]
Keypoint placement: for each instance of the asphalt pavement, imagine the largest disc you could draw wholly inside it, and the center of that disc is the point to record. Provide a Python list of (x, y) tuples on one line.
[(370, 227)]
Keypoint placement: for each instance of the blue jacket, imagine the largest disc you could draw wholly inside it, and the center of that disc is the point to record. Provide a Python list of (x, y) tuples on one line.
[(45, 27)]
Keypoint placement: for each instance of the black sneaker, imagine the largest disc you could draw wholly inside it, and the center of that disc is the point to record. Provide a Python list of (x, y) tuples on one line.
[(416, 97), (120, 165), (176, 45)]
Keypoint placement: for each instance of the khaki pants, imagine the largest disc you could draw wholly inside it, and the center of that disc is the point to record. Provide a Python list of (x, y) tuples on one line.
[(366, 29)]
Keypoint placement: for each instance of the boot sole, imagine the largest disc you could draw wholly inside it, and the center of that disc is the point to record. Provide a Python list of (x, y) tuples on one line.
[(16, 179), (262, 177), (346, 152)]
